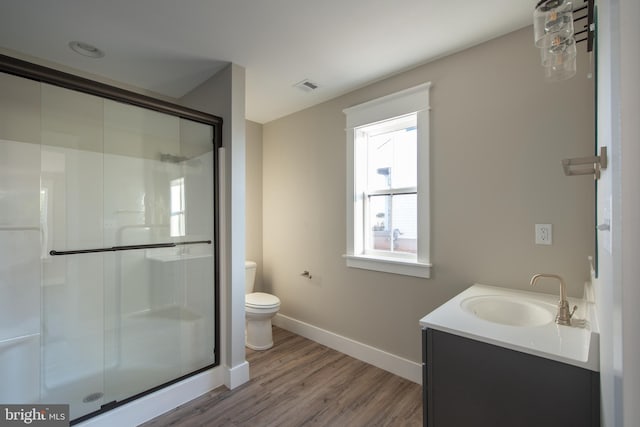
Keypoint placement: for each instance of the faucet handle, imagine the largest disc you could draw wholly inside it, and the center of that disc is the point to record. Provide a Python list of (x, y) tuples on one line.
[(575, 307)]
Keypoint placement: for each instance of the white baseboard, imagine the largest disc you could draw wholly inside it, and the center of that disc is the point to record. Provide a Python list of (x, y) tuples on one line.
[(237, 375), (157, 403), (374, 356)]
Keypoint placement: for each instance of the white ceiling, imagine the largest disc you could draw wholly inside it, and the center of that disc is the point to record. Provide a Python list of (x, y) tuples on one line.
[(171, 46)]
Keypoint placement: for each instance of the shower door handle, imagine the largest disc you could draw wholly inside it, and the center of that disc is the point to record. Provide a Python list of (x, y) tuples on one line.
[(129, 247)]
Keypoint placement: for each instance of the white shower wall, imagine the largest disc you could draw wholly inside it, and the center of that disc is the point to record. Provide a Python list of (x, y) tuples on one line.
[(19, 270)]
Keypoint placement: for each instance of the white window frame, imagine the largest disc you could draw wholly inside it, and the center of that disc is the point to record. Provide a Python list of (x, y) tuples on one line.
[(412, 100)]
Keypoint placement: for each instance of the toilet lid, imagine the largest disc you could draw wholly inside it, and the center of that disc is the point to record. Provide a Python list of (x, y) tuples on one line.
[(261, 300)]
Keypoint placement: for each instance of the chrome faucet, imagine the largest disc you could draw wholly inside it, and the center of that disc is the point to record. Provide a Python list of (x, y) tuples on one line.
[(564, 315)]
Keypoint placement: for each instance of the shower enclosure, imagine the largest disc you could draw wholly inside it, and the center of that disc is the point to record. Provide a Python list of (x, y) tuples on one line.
[(108, 284)]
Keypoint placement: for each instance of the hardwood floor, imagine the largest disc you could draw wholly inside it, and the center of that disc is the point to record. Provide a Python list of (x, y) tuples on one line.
[(299, 382)]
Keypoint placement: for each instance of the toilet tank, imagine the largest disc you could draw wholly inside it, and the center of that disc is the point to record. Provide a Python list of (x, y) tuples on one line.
[(250, 276)]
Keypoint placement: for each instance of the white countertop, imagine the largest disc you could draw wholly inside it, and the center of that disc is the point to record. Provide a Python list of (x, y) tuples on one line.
[(574, 345)]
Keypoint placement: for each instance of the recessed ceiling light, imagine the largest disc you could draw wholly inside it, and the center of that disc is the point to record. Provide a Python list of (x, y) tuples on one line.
[(85, 49)]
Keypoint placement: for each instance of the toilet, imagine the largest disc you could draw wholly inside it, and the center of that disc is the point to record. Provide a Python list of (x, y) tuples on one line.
[(259, 308)]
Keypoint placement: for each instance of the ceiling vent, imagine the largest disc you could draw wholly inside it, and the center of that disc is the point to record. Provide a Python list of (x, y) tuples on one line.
[(306, 85)]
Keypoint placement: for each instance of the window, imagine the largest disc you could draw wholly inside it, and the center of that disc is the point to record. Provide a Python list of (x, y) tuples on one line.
[(177, 223), (388, 186)]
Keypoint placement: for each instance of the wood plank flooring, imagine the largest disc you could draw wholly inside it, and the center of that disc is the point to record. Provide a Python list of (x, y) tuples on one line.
[(299, 382)]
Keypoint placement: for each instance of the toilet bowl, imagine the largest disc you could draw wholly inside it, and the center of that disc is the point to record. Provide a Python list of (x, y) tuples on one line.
[(259, 308)]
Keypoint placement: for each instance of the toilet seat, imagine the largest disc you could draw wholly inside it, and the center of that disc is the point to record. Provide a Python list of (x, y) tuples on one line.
[(261, 300)]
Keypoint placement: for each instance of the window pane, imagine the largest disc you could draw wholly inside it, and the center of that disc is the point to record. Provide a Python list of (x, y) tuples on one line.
[(177, 228), (378, 221), (177, 195), (391, 153), (405, 223), (393, 223)]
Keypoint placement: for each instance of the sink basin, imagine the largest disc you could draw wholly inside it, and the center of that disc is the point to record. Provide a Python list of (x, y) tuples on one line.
[(509, 311)]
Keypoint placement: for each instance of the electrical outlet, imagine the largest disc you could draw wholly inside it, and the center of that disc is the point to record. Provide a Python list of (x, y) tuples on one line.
[(544, 234)]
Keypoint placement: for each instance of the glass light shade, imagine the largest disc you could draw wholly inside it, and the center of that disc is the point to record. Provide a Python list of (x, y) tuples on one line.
[(552, 20), (563, 71), (560, 20), (558, 54)]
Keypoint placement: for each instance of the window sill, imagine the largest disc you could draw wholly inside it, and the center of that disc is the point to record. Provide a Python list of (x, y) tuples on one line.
[(389, 265)]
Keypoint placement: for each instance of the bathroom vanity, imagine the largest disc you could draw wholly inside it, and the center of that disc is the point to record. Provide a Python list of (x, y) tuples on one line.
[(495, 357)]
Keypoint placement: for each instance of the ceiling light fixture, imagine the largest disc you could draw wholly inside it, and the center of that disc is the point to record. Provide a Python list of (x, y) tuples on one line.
[(85, 49)]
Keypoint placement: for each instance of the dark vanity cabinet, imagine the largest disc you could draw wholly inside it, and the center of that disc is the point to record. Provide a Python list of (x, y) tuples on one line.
[(472, 383)]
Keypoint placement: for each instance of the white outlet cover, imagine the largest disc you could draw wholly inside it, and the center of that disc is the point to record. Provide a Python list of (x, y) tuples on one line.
[(544, 234)]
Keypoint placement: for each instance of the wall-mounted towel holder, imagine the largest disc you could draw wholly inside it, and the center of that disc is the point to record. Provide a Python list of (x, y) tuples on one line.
[(586, 165)]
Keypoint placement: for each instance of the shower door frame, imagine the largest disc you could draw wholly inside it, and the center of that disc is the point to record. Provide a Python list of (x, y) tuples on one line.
[(54, 77)]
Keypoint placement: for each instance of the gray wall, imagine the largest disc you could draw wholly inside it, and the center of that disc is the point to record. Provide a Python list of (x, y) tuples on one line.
[(254, 197), (498, 133)]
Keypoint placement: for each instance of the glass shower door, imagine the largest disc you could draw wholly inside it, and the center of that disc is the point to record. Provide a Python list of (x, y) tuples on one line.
[(71, 218), (158, 190), (117, 323)]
